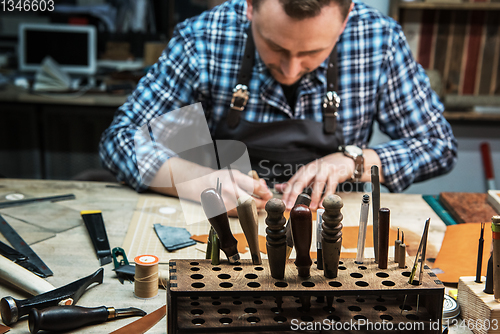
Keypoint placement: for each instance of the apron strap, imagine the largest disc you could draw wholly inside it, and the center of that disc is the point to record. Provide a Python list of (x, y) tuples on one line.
[(240, 92), (331, 101)]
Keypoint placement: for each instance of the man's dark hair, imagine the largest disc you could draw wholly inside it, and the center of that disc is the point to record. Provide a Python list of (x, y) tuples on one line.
[(301, 9)]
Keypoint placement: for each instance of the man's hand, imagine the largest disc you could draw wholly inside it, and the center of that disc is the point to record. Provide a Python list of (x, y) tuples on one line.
[(325, 173), (234, 183)]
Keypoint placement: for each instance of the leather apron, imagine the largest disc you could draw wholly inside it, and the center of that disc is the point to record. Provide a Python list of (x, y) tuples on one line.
[(278, 149)]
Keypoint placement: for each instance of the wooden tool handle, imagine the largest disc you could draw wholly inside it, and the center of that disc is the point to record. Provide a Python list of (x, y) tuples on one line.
[(302, 235), (216, 212), (22, 278), (247, 214), (64, 318), (383, 237), (276, 238)]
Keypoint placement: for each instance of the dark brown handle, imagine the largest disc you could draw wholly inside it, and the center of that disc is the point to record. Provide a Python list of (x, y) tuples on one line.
[(216, 212), (302, 235), (63, 318), (383, 237)]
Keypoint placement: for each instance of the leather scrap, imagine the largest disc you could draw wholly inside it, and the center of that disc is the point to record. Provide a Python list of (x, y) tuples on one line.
[(173, 238), (143, 324), (4, 329)]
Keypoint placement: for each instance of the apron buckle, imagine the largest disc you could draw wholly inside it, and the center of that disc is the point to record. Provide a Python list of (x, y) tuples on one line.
[(240, 97), (331, 99)]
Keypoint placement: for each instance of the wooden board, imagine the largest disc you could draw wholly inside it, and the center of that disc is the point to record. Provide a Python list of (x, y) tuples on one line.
[(152, 209), (467, 207)]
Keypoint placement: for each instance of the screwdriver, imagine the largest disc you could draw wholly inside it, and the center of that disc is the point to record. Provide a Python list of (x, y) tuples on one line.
[(65, 318)]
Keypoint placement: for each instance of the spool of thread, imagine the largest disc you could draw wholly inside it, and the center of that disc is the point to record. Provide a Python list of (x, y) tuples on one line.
[(146, 276)]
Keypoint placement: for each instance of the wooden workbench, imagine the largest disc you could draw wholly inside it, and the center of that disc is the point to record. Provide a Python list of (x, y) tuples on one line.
[(70, 255)]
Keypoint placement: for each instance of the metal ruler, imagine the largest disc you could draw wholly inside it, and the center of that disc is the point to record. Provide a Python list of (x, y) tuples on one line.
[(21, 246)]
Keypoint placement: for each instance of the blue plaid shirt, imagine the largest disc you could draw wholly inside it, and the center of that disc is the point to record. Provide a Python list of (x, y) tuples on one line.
[(379, 80)]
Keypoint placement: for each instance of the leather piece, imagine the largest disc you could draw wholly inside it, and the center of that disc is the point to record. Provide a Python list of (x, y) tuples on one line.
[(143, 324), (173, 238), (4, 329)]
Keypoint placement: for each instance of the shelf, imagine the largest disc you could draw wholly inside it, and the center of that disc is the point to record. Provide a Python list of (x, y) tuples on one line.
[(450, 5), (471, 116)]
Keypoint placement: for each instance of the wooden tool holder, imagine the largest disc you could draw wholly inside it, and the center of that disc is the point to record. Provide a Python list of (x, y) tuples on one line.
[(227, 298), (479, 310)]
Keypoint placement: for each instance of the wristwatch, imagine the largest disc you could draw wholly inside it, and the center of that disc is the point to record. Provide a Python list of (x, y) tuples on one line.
[(356, 154)]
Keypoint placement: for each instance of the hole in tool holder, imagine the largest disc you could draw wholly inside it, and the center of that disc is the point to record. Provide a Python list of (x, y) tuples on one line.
[(333, 317), (329, 309), (406, 307), (341, 262), (406, 273), (253, 320), (380, 300), (195, 304), (362, 284), (360, 317), (198, 285), (306, 318), (382, 275), (216, 303), (224, 276), (194, 298), (196, 276), (250, 310), (258, 302), (216, 268), (360, 300), (280, 319), (308, 284), (276, 310), (237, 269), (354, 308), (254, 285), (356, 275), (226, 285), (388, 283), (251, 276), (380, 308), (198, 321), (342, 268), (224, 311), (194, 263), (259, 268), (335, 284), (281, 284), (340, 300), (195, 269), (197, 312), (237, 302), (362, 268), (386, 317), (412, 317), (225, 321)]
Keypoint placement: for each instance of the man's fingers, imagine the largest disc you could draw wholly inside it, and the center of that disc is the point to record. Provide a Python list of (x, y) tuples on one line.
[(331, 188), (261, 190)]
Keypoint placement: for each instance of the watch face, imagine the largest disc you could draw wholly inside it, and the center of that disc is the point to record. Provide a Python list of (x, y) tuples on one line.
[(353, 150)]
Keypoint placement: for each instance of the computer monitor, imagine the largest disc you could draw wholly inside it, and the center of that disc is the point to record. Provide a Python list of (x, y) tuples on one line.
[(74, 48)]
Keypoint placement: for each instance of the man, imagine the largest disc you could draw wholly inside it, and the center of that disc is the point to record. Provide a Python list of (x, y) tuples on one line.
[(296, 102)]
